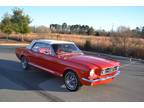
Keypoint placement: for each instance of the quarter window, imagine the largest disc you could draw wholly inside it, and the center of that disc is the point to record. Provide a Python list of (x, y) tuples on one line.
[(42, 48)]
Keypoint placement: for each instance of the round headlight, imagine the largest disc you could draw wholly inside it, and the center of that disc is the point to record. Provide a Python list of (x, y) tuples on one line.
[(92, 72)]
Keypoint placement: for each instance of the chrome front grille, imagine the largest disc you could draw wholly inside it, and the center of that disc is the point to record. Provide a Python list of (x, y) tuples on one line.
[(110, 70)]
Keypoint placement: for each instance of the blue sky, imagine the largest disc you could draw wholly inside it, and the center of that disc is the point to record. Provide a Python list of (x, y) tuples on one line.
[(98, 17)]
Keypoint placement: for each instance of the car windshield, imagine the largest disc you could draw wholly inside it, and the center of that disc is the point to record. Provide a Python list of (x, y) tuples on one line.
[(65, 48)]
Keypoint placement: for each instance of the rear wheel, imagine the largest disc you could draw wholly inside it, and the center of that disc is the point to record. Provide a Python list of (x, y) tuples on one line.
[(24, 63), (71, 81)]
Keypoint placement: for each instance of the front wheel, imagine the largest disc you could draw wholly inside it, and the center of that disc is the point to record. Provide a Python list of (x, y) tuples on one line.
[(71, 81), (24, 63)]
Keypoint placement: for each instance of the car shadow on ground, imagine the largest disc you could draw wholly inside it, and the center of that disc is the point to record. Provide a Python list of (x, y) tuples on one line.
[(12, 75)]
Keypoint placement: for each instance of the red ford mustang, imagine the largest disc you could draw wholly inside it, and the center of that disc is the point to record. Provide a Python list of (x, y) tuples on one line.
[(66, 60)]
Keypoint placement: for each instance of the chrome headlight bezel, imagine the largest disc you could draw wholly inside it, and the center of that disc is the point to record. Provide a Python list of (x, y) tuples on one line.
[(92, 72)]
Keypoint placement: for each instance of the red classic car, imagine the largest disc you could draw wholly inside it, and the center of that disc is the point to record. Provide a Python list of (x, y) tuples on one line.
[(66, 60)]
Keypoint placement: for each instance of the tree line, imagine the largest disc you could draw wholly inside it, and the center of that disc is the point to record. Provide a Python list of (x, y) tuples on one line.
[(87, 30), (76, 29)]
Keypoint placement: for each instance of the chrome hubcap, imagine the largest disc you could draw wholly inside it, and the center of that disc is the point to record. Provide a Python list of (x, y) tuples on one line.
[(71, 80)]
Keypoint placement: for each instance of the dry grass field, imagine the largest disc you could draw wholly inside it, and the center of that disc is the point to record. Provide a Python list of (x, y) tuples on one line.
[(132, 47)]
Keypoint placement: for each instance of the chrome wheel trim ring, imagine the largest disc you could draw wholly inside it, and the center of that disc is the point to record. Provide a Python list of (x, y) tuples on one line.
[(24, 63), (71, 81)]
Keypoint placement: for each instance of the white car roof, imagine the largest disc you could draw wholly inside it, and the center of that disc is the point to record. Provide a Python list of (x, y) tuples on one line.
[(48, 42), (53, 41)]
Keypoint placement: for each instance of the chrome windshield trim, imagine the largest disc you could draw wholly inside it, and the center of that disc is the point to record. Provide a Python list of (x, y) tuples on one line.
[(101, 79)]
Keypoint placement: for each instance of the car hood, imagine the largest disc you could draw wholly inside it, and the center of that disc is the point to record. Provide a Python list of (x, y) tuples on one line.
[(93, 61)]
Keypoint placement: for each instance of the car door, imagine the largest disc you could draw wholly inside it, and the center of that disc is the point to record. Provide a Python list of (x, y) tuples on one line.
[(59, 64), (47, 59)]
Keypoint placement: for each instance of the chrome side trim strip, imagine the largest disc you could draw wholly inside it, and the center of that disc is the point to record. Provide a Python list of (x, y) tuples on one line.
[(40, 67), (101, 79)]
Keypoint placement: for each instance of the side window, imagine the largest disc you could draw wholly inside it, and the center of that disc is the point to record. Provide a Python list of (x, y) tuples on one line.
[(45, 50), (42, 48), (35, 47)]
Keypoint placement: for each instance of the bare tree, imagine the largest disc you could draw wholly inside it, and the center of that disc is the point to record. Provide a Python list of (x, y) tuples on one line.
[(120, 39)]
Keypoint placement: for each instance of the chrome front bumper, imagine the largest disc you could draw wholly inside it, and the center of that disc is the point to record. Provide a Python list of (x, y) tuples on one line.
[(101, 79)]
